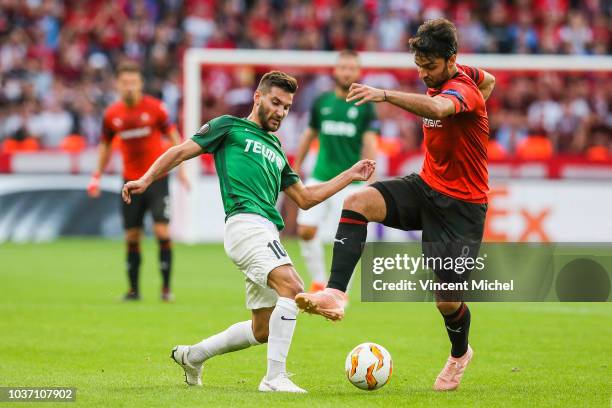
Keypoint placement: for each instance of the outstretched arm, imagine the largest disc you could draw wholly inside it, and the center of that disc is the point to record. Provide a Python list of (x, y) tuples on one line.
[(306, 197), (436, 107), (164, 163)]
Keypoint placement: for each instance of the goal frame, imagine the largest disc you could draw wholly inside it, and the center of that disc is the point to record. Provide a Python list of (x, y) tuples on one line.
[(186, 205)]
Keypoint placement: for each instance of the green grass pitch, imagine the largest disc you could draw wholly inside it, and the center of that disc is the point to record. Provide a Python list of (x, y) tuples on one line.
[(62, 325)]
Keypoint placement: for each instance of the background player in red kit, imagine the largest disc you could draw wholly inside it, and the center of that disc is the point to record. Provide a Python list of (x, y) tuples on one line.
[(447, 200), (139, 121)]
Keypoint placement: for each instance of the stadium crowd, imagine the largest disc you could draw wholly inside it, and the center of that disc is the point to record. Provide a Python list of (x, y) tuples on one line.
[(57, 59)]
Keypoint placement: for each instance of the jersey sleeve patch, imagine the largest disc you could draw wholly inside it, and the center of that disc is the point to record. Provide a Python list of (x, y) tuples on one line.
[(203, 129), (212, 134), (454, 93)]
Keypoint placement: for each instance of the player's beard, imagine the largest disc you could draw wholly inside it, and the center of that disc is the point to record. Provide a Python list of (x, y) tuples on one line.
[(129, 98), (265, 120), (445, 76), (343, 85)]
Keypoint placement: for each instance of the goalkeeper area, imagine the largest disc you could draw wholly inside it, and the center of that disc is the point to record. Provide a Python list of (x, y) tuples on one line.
[(57, 331)]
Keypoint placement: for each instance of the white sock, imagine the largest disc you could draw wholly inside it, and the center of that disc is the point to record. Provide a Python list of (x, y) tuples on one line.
[(236, 337), (314, 257), (282, 326)]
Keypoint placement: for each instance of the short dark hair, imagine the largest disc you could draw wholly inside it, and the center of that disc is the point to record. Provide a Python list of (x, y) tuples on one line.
[(279, 79), (435, 38), (128, 66)]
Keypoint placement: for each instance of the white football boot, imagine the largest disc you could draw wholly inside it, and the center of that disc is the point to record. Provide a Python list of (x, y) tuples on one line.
[(193, 373), (282, 383)]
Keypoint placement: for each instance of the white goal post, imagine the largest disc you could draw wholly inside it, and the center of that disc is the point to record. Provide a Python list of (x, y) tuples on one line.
[(188, 206)]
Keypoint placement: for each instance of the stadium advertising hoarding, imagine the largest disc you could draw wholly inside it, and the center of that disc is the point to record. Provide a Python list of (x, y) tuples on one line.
[(519, 211)]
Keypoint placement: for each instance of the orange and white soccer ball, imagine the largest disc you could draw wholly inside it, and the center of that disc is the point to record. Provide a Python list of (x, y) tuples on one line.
[(369, 366)]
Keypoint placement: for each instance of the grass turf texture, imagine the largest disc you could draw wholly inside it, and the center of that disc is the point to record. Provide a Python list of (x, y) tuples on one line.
[(63, 325)]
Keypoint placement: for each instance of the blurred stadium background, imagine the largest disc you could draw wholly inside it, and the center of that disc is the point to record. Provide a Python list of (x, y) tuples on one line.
[(550, 115), (62, 323)]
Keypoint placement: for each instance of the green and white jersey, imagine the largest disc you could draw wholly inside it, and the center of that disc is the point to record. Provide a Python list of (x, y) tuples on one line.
[(251, 166), (340, 126)]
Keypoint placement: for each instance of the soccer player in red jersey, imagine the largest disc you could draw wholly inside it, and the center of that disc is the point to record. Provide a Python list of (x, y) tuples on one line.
[(447, 200), (139, 121)]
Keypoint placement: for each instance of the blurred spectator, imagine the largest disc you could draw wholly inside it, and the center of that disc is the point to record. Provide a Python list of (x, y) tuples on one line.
[(199, 22), (472, 33), (51, 124), (391, 32), (57, 59), (576, 35), (545, 112), (523, 34), (500, 30)]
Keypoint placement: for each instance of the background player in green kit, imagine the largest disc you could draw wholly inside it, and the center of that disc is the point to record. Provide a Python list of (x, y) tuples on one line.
[(253, 169), (346, 134)]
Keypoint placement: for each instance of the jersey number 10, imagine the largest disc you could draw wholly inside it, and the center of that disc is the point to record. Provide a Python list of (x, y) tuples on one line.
[(277, 248)]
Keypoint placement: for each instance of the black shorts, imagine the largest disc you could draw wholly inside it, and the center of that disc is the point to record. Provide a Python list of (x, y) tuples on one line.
[(156, 199), (451, 227)]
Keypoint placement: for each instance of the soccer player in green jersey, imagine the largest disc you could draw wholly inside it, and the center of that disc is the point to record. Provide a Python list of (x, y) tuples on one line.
[(253, 169), (346, 133)]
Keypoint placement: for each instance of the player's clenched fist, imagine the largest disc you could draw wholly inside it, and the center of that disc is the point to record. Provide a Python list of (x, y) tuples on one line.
[(364, 93), (362, 170), (133, 187)]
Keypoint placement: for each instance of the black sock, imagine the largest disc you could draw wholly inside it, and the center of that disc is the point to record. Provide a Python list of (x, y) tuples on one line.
[(133, 262), (458, 328), (165, 261), (348, 245)]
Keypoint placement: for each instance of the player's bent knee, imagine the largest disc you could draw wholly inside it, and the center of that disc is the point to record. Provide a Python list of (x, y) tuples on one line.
[(285, 281), (161, 231), (355, 202), (132, 235), (447, 308), (306, 232)]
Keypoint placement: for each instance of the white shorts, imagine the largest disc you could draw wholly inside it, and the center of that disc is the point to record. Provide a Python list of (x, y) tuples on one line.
[(253, 244), (328, 212)]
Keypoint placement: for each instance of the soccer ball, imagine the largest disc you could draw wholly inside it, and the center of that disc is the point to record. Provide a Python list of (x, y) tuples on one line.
[(369, 366)]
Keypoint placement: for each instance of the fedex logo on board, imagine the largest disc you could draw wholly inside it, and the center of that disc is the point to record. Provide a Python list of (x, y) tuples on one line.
[(533, 225)]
